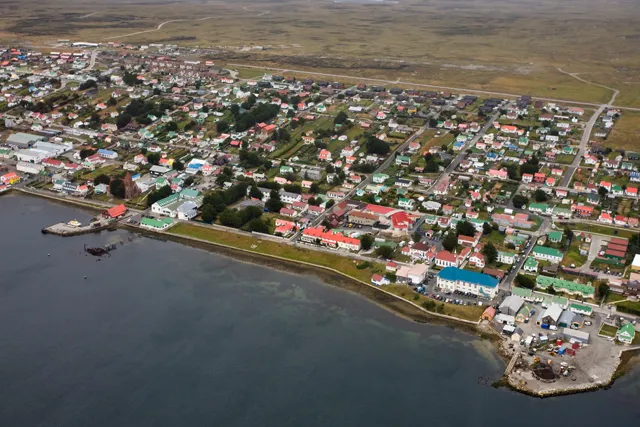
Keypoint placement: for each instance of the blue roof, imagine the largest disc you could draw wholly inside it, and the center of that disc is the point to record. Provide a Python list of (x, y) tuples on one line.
[(457, 274), (103, 151)]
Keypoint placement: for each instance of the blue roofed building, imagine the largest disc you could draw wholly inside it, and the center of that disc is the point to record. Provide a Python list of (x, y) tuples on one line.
[(456, 279), (107, 154)]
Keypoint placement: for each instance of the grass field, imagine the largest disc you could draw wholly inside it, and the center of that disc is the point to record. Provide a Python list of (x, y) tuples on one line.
[(346, 265), (626, 132), (497, 45), (608, 330)]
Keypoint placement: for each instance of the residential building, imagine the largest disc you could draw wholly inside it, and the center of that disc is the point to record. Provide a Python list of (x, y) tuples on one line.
[(547, 254)]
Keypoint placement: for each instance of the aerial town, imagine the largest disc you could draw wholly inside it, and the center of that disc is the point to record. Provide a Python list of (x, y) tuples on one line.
[(512, 214)]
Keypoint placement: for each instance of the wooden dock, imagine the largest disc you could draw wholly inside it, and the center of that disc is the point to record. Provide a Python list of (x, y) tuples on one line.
[(512, 363)]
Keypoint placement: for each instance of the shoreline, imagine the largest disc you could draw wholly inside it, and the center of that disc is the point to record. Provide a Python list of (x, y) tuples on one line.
[(382, 298)]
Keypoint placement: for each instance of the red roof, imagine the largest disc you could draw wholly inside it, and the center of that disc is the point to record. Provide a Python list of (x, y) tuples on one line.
[(382, 210), (117, 211), (446, 256)]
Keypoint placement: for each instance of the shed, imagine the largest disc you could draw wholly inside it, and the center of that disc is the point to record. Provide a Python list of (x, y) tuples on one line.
[(579, 336), (511, 305), (552, 314), (566, 319)]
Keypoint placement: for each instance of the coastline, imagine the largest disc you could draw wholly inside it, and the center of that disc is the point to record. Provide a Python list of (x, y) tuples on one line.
[(382, 298)]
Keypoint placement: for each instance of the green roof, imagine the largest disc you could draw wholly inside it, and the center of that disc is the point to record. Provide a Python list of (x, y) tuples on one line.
[(506, 254), (541, 206), (627, 330), (555, 236), (547, 251), (531, 262), (564, 285), (156, 223), (522, 292), (559, 300), (581, 307)]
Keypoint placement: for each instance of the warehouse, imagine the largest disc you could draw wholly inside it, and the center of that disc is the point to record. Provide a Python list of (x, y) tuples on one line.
[(29, 168), (31, 156), (579, 336), (23, 140)]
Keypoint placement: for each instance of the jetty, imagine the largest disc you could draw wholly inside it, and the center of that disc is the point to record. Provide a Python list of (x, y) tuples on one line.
[(74, 228)]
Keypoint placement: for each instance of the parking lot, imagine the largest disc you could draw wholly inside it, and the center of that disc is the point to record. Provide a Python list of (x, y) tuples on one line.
[(428, 288)]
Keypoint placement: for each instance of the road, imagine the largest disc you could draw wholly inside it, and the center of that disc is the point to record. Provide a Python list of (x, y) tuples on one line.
[(448, 88), (586, 135), (158, 28)]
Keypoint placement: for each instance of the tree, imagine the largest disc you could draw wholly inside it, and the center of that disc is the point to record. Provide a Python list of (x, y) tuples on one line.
[(153, 158), (366, 241), (189, 181), (519, 201), (486, 228), (330, 203), (315, 188), (416, 236), (123, 120), (513, 171), (602, 191), (222, 126), (603, 290), (465, 228), (540, 195), (209, 213), (257, 225), (178, 165), (525, 281), (250, 213), (274, 204), (568, 232), (101, 179), (230, 218), (450, 241), (384, 251), (171, 127), (158, 194), (116, 188), (490, 252), (86, 152), (376, 146), (87, 84), (340, 118), (255, 193)]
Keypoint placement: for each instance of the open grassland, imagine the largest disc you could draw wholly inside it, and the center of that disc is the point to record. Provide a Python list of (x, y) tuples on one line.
[(626, 132), (497, 45)]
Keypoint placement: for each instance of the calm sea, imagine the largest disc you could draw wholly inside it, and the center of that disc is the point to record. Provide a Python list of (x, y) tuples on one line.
[(164, 335)]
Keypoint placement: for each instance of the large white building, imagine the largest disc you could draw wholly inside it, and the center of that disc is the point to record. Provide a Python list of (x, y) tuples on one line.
[(183, 205), (456, 279)]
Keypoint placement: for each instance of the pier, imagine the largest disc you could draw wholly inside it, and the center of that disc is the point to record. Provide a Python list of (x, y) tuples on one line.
[(74, 228)]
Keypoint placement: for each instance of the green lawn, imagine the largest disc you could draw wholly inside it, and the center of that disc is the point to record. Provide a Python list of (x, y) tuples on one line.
[(608, 330), (345, 265), (630, 307), (611, 297)]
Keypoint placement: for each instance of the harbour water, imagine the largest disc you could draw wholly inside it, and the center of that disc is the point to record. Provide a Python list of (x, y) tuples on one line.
[(160, 334)]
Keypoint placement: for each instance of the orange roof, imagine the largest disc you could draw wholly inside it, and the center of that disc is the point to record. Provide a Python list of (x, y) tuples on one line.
[(116, 211)]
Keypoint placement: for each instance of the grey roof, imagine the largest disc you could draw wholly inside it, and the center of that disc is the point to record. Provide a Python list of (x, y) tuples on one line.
[(554, 311), (24, 139), (512, 302), (566, 317)]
